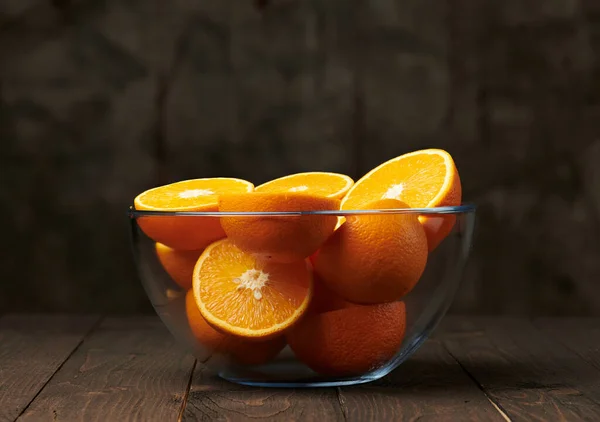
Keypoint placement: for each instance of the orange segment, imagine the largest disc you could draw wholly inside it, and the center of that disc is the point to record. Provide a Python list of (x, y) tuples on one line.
[(178, 264), (243, 296), (187, 233), (241, 350), (331, 185), (374, 258), (286, 238), (349, 341), (422, 179)]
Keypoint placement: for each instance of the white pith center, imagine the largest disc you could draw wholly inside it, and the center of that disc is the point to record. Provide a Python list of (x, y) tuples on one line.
[(254, 280), (194, 193), (298, 189), (393, 192)]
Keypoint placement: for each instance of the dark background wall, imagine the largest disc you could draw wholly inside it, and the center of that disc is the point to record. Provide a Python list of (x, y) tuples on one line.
[(101, 99)]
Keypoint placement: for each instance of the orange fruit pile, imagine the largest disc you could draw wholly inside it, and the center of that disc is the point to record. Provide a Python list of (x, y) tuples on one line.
[(332, 287)]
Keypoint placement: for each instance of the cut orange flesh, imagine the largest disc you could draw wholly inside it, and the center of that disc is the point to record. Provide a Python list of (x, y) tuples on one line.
[(241, 350), (190, 195), (331, 185), (422, 179), (285, 238), (246, 297), (186, 233)]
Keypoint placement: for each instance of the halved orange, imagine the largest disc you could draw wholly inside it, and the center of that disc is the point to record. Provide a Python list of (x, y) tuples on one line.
[(247, 297), (331, 185), (422, 179), (285, 238), (179, 264), (187, 233), (240, 349)]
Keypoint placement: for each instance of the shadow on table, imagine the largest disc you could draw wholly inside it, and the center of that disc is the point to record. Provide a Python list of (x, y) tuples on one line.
[(489, 375), (433, 370)]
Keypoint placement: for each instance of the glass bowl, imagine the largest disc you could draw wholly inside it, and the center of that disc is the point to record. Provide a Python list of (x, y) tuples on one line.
[(423, 306)]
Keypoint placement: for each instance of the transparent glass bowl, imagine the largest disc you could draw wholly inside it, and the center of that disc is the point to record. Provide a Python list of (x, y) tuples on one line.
[(425, 304)]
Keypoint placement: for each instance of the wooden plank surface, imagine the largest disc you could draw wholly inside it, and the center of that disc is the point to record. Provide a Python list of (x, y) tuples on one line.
[(581, 335), (429, 386), (32, 348), (131, 369), (211, 399), (527, 373), (127, 369)]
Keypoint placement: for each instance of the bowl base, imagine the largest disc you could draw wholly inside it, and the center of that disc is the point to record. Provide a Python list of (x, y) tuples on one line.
[(307, 383), (290, 374)]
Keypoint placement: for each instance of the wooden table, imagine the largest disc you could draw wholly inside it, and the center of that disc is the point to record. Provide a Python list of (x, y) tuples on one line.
[(61, 368)]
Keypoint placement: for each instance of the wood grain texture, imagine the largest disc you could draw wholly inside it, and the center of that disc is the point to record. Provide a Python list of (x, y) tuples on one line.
[(530, 72), (429, 386), (405, 75), (128, 369), (73, 157), (211, 399), (32, 348), (199, 100), (527, 373), (580, 335), (261, 93)]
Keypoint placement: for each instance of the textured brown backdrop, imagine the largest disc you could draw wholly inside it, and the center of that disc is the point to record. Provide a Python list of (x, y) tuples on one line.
[(101, 99)]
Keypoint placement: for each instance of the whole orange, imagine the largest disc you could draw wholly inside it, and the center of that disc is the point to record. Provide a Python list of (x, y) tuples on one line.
[(178, 264), (374, 258), (349, 341), (240, 350), (324, 300)]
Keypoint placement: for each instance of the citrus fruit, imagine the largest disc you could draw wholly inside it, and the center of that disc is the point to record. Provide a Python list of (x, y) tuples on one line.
[(325, 300), (422, 179), (178, 264), (239, 349), (349, 341), (186, 233), (331, 185), (241, 295), (374, 258), (283, 238)]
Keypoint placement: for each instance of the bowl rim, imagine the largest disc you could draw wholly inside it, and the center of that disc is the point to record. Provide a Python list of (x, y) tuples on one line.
[(466, 208)]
